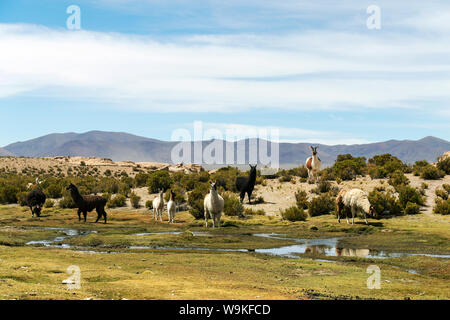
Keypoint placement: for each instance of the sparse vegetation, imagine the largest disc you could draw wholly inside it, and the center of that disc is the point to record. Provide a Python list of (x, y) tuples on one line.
[(293, 214)]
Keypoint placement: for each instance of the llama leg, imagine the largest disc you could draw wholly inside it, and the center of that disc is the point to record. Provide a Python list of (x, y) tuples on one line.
[(339, 213), (346, 215), (353, 215), (104, 214), (242, 196), (79, 215), (213, 220), (206, 217), (365, 217), (99, 214), (249, 197), (85, 215)]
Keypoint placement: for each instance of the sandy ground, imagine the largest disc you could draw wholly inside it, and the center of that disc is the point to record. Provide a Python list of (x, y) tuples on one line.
[(64, 163)]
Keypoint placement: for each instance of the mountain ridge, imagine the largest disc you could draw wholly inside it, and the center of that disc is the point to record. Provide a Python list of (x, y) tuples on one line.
[(120, 146)]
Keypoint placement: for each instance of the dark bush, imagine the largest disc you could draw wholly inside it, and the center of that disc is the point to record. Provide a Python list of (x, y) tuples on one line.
[(397, 179), (409, 194), (443, 194), (293, 214), (384, 203), (232, 205), (432, 173), (135, 201), (323, 204), (412, 208), (117, 201), (443, 164), (159, 180), (442, 207), (301, 198), (195, 200), (348, 167)]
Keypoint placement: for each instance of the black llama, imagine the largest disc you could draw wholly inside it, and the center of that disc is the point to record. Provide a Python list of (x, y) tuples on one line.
[(245, 185), (88, 203)]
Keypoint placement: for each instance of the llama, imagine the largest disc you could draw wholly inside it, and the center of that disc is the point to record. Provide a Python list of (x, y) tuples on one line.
[(355, 200), (171, 207), (88, 203), (213, 205), (158, 205), (36, 199), (247, 184), (313, 164)]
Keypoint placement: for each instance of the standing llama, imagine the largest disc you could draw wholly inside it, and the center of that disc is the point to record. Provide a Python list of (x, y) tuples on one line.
[(171, 207), (213, 205), (245, 185), (313, 164), (355, 200), (36, 199), (158, 205), (88, 203)]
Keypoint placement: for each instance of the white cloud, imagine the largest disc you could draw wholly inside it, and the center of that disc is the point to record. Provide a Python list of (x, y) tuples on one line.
[(230, 73)]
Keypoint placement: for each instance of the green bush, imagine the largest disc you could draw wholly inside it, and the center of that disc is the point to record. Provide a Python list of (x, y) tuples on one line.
[(301, 172), (232, 205), (252, 212), (135, 200), (446, 187), (408, 194), (398, 179), (323, 204), (149, 204), (412, 208), (432, 173), (443, 164), (443, 194), (22, 198), (195, 200), (49, 203), (322, 187), (388, 162), (226, 177), (384, 203), (301, 198), (67, 202), (118, 201), (159, 180), (179, 195), (293, 214), (348, 167), (376, 172), (442, 207)]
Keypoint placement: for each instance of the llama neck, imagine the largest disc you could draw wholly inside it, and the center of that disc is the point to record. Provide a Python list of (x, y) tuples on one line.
[(214, 195), (314, 159), (252, 177), (76, 196)]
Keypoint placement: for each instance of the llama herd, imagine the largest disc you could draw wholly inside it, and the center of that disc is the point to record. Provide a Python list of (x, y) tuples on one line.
[(354, 200)]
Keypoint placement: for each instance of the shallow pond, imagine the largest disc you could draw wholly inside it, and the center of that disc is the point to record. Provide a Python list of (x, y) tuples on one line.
[(328, 247)]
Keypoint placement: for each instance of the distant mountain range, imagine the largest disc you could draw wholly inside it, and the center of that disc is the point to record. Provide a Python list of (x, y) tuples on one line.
[(120, 146)]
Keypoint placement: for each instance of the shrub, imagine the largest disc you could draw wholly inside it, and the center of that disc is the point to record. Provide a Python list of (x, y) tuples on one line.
[(412, 208), (432, 173), (226, 177), (446, 187), (252, 212), (140, 180), (442, 194), (22, 198), (347, 167), (322, 187), (49, 203), (323, 204), (409, 194), (159, 180), (398, 179), (301, 172), (443, 164), (293, 214), (179, 195), (376, 172), (135, 199), (388, 162), (66, 202), (442, 207), (301, 198), (117, 201), (232, 205), (384, 203), (195, 201), (149, 204)]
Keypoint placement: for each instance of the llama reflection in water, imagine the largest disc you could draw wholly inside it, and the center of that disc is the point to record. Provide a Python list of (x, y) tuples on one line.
[(346, 252)]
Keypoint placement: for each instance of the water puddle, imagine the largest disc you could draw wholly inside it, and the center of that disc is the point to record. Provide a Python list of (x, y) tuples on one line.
[(68, 233), (328, 247)]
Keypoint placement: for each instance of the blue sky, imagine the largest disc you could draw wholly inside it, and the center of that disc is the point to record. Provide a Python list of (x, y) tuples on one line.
[(312, 69)]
